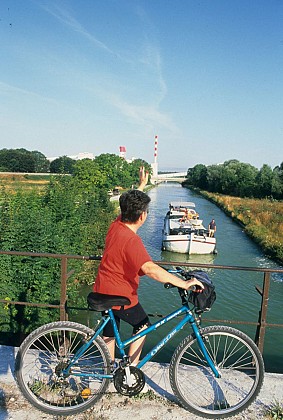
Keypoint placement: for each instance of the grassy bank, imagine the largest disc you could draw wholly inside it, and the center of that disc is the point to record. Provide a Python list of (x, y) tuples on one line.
[(261, 219), (27, 182)]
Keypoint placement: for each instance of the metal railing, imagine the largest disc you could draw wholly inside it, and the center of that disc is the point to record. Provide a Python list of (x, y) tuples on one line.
[(261, 325)]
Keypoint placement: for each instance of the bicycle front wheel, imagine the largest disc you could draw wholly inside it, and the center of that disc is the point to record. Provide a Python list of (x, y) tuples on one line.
[(42, 362), (239, 362)]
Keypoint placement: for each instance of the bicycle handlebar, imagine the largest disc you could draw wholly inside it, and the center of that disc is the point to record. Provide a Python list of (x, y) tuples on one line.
[(183, 273)]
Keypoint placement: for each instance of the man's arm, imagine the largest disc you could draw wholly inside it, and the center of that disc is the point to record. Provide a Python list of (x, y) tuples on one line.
[(157, 273), (143, 178)]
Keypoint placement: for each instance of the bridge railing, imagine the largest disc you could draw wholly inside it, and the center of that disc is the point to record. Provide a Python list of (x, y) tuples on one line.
[(63, 306)]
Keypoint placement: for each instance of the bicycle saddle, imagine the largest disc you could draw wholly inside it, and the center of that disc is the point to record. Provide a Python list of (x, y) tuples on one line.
[(102, 302)]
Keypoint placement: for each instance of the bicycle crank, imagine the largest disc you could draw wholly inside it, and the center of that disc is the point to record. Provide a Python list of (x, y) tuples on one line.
[(121, 381)]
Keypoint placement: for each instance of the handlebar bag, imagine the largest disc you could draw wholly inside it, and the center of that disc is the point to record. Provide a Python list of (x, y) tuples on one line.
[(202, 299)]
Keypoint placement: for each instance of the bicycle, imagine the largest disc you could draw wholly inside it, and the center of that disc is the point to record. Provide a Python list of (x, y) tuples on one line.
[(63, 368)]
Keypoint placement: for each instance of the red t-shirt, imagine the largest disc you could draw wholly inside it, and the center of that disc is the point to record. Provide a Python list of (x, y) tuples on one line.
[(120, 267)]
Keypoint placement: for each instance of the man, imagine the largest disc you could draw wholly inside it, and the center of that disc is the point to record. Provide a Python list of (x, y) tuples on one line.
[(124, 260), (212, 228)]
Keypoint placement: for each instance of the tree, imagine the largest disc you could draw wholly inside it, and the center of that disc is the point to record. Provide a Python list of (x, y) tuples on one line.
[(89, 176), (246, 185), (214, 177), (198, 176), (62, 165), (264, 181), (277, 182), (17, 160), (114, 168), (41, 163)]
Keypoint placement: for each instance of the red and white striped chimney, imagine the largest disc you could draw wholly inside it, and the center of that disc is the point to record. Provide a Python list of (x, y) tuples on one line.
[(122, 152), (154, 165), (155, 148)]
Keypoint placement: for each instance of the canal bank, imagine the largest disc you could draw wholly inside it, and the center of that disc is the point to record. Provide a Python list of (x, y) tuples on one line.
[(260, 218), (159, 403)]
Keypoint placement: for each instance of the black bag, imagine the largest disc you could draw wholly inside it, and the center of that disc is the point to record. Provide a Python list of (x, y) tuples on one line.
[(202, 299)]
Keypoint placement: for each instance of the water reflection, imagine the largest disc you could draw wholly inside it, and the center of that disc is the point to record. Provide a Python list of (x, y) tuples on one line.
[(179, 258)]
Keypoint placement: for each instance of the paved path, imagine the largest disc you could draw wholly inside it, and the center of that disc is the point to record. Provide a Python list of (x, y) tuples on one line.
[(14, 407)]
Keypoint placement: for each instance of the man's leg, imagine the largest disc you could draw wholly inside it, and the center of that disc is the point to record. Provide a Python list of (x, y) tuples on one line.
[(136, 348), (110, 341)]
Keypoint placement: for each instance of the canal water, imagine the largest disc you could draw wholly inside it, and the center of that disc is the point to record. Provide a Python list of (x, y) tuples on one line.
[(237, 298)]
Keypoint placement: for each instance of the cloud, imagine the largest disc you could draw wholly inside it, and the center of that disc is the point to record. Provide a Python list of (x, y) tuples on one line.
[(67, 19), (147, 115), (9, 90), (146, 61)]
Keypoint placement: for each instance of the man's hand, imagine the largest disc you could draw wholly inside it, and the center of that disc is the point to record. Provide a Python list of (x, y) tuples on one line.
[(193, 282), (143, 175)]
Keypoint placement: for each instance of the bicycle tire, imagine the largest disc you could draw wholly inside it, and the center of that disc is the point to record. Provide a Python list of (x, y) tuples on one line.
[(239, 362), (43, 355)]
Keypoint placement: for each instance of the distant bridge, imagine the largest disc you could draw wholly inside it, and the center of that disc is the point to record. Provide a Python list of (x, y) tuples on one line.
[(172, 177)]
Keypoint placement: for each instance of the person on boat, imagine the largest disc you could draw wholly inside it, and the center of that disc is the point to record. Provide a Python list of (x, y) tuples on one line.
[(212, 228), (185, 216), (124, 260)]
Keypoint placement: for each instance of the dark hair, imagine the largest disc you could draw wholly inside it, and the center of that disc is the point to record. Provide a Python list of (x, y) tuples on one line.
[(132, 204)]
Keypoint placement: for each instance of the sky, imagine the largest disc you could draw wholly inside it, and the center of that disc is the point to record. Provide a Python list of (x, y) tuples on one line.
[(205, 76)]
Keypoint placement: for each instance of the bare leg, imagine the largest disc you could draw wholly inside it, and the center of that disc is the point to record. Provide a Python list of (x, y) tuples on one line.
[(136, 348), (110, 341)]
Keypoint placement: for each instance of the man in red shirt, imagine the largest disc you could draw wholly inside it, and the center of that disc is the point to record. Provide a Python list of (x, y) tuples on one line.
[(124, 260)]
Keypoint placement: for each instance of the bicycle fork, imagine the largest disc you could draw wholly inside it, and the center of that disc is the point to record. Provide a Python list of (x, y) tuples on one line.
[(204, 351)]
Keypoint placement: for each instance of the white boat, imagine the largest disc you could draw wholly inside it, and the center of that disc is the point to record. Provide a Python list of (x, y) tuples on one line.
[(183, 231)]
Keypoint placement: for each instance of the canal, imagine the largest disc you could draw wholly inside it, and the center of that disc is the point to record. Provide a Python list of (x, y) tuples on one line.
[(237, 298)]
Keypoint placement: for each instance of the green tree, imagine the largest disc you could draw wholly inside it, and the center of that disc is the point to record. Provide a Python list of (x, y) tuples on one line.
[(113, 167), (277, 182), (197, 176), (214, 177), (246, 185), (62, 165), (89, 176), (41, 163), (17, 160), (264, 181)]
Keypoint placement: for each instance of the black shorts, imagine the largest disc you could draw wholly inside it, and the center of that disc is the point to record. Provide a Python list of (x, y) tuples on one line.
[(134, 316)]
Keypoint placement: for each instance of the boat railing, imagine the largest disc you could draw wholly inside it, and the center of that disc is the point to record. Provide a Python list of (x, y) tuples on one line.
[(64, 307)]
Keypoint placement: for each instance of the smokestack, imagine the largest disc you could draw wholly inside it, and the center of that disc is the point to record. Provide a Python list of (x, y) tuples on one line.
[(122, 152), (154, 165), (155, 149)]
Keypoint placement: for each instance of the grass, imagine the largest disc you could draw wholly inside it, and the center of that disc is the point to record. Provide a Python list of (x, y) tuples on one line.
[(261, 219), (275, 411), (12, 182)]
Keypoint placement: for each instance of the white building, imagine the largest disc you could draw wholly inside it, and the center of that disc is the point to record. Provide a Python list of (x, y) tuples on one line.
[(79, 156)]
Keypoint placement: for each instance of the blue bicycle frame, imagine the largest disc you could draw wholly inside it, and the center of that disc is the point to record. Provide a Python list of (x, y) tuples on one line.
[(109, 317)]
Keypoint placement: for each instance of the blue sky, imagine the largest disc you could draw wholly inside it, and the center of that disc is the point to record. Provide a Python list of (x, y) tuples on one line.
[(92, 75)]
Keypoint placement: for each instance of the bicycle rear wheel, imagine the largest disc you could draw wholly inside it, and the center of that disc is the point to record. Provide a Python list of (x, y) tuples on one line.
[(239, 362), (43, 356)]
